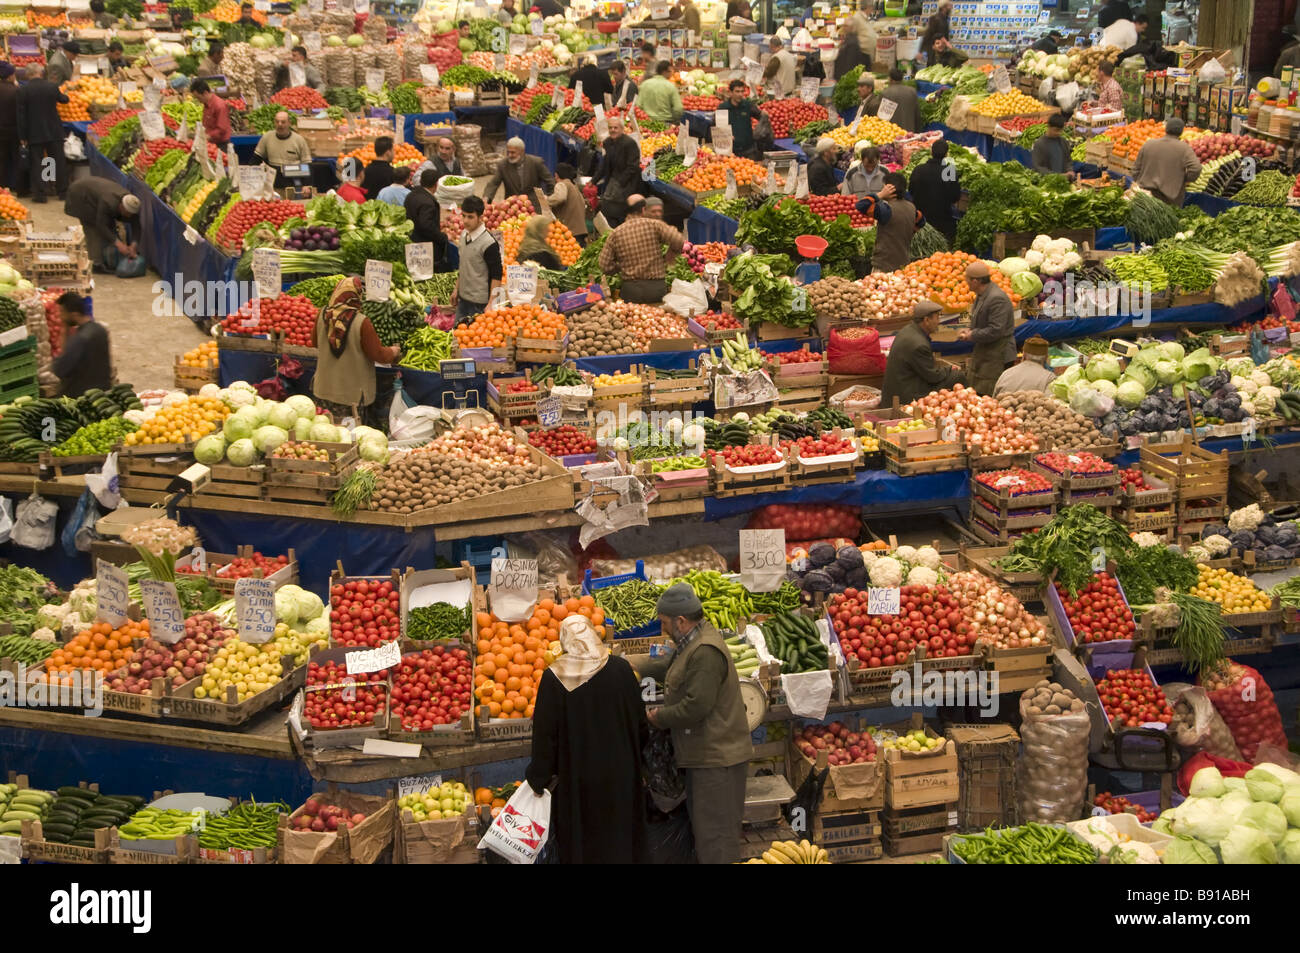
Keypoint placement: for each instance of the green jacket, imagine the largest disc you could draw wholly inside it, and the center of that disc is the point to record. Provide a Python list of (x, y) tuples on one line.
[(702, 704), (993, 332), (911, 370), (660, 99)]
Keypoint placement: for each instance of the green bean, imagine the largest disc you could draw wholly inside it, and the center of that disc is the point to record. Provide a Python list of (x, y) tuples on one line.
[(630, 604), (1029, 844), (438, 621)]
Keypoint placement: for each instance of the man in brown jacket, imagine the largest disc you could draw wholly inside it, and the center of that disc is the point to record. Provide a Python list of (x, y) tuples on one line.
[(992, 329), (520, 173), (1164, 166), (704, 711)]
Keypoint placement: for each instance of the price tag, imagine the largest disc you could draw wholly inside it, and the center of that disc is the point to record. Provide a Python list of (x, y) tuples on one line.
[(518, 44), (419, 260), (532, 76), (191, 235), (1248, 431), (311, 42), (375, 80), (597, 108), (152, 98), (262, 6), (721, 118), (692, 151), (810, 89), (512, 590), (183, 134), (429, 74), (731, 190), (682, 136), (151, 124), (948, 431), (712, 272), (379, 279), (537, 27), (887, 109), (548, 411), (266, 272), (521, 283), (112, 595), (498, 62), (648, 174), (163, 610), (883, 601), (255, 609), (557, 97), (418, 784), (753, 77), (127, 88), (792, 177), (252, 181), (373, 660), (298, 74), (1000, 79), (762, 559), (721, 137), (88, 67)]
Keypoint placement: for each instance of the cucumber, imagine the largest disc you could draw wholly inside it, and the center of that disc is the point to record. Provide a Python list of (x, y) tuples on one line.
[(84, 794), (19, 814), (65, 830)]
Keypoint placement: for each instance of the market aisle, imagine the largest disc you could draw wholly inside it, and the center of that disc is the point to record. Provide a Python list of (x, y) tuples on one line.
[(144, 346)]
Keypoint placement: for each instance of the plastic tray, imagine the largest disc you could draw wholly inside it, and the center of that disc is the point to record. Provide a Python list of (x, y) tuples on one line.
[(590, 584)]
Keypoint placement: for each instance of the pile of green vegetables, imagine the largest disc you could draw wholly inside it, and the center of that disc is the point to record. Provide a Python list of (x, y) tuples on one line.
[(393, 322), (768, 294), (245, 826), (95, 439), (317, 290), (846, 90), (262, 119), (775, 225), (1270, 188), (631, 604), (425, 347), (438, 289), (344, 97), (1183, 267), (1246, 228), (404, 98), (1150, 220), (1028, 844), (439, 621), (22, 593)]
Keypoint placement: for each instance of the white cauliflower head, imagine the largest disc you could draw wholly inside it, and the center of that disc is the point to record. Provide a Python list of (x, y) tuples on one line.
[(1199, 553), (886, 571), (905, 553), (922, 576), (1260, 378), (1147, 539), (1216, 545), (928, 557), (869, 557), (1248, 517)]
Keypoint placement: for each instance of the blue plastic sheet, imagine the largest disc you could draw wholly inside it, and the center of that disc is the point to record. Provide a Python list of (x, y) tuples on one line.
[(706, 225), (245, 144), (428, 119), (537, 142), (1210, 204), (877, 490), (699, 124), (794, 147)]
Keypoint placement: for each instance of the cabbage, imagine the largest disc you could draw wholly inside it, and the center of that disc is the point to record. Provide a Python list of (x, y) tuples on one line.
[(1105, 388), (309, 605), (1290, 805), (1164, 824), (210, 449), (1265, 817), (1200, 363), (1147, 357), (1171, 351), (1283, 776), (1232, 784), (1207, 782), (1013, 266), (1061, 386), (1143, 375), (282, 416), (1233, 803), (1247, 845), (241, 453), (1203, 818), (1289, 849), (1026, 284), (1167, 372), (1129, 394), (319, 625), (269, 437), (373, 448), (302, 428), (237, 427), (1262, 786), (325, 433), (302, 405), (286, 607), (364, 431), (262, 410), (1188, 850), (1103, 366)]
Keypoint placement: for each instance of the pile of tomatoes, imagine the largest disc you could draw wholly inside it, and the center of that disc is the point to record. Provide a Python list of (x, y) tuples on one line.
[(830, 207), (1134, 478), (788, 114), (364, 612), (1098, 613), (1113, 804), (244, 567), (812, 447), (751, 455), (1016, 481), (303, 98), (1081, 463), (563, 441), (718, 321), (354, 703), (294, 315), (701, 103), (928, 615), (1132, 698), (802, 356), (244, 215), (432, 687)]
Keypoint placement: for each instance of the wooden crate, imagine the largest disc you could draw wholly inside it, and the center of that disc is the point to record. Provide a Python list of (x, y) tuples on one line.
[(219, 580), (287, 478), (1013, 243), (666, 391), (728, 483), (907, 455), (986, 767), (909, 845), (920, 830), (845, 827), (446, 841), (1002, 502), (539, 350), (1019, 669), (1010, 520), (850, 787), (231, 482), (920, 779), (508, 405), (994, 535), (1159, 494), (996, 461), (36, 848), (1150, 520), (191, 379), (1188, 470), (178, 851), (183, 706)]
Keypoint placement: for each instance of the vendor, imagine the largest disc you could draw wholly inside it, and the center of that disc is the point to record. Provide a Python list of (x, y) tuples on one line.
[(620, 172), (1109, 94), (1032, 373), (507, 13), (86, 361), (100, 205), (897, 222), (622, 89), (659, 96), (103, 19), (520, 173), (780, 75), (425, 215), (739, 8), (688, 13), (741, 111), (866, 175), (907, 108), (1049, 44), (311, 74), (379, 173), (633, 250), (210, 65), (282, 146), (938, 33), (992, 329), (1051, 153), (868, 98), (568, 203), (347, 350), (116, 58), (1164, 166), (936, 188), (821, 170), (58, 68), (533, 246), (1148, 45), (216, 113), (911, 370), (595, 81), (444, 161), (704, 712), (246, 16)]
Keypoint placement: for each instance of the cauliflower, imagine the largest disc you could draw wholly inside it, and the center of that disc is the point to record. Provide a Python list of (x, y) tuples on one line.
[(1034, 257), (922, 576), (1060, 247), (52, 615), (1266, 398), (1260, 378), (72, 627), (1245, 385), (1072, 260), (81, 601), (869, 557), (1248, 517), (887, 571), (44, 634), (905, 554), (1199, 553), (928, 557), (136, 417), (1248, 407), (1133, 852), (1216, 545), (1147, 539), (1039, 245)]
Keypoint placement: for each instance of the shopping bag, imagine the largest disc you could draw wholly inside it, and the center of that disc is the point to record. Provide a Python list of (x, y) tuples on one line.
[(522, 828), (104, 484), (74, 150), (34, 523), (6, 518), (79, 532)]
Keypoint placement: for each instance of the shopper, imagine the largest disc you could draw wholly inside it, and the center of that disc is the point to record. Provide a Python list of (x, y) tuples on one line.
[(649, 60), (687, 12), (907, 111), (445, 161), (396, 193), (246, 17), (86, 360), (298, 56), (739, 8), (480, 263), (858, 42), (379, 173), (659, 95), (589, 729), (622, 89), (595, 81), (992, 329), (1164, 166), (9, 148), (507, 13), (938, 33), (101, 206), (58, 68), (520, 173), (282, 146), (423, 210), (703, 710), (911, 370), (567, 201), (347, 350), (780, 76), (633, 250), (103, 19), (897, 222), (1121, 34), (1032, 373), (1049, 44), (620, 172), (936, 188), (1149, 46), (1051, 153), (41, 130), (210, 65), (741, 112), (866, 175), (1109, 93), (821, 170), (533, 246), (216, 113)]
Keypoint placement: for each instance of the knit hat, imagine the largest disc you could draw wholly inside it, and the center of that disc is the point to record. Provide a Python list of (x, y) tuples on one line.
[(654, 201), (1035, 347), (130, 204), (679, 600)]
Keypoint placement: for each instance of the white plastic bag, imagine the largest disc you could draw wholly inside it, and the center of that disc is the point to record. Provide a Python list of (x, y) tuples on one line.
[(687, 298), (6, 518), (74, 150), (1067, 95), (411, 426), (1211, 72), (522, 828), (104, 483), (34, 523), (453, 194)]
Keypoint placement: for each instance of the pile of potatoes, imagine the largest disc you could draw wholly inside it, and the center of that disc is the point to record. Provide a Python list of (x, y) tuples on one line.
[(1050, 698), (420, 480), (1056, 425), (599, 330), (837, 297), (1052, 774), (1084, 63)]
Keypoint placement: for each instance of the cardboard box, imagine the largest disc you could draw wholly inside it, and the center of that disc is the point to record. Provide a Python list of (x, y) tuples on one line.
[(362, 844)]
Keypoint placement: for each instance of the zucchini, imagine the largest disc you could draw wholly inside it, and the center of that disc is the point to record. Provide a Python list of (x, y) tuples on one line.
[(65, 830), (84, 794)]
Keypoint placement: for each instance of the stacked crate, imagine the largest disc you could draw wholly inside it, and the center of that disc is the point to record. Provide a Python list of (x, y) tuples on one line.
[(1099, 488), (1197, 478), (1150, 510), (55, 259), (18, 367), (847, 820), (986, 765), (922, 790), (999, 514)]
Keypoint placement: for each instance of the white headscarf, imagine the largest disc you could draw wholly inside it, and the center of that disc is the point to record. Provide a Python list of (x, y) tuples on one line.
[(584, 652)]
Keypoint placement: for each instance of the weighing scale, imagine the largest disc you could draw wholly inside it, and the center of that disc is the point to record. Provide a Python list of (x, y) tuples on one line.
[(295, 180), (755, 701), (458, 372)]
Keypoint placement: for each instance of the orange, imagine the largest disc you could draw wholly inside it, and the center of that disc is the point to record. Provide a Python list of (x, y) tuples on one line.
[(482, 795)]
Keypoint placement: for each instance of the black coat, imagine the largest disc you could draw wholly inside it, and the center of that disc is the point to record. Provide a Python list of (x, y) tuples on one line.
[(595, 83), (441, 168), (96, 202), (821, 178), (621, 170), (422, 209), (8, 112), (1115, 10), (934, 196), (38, 111), (378, 175)]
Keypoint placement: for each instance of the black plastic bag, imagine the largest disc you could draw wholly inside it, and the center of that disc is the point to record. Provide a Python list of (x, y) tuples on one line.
[(664, 781), (803, 807), (670, 836)]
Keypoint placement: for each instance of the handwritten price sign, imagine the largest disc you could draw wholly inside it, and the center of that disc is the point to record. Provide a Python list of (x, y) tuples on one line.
[(255, 609), (762, 559), (112, 595), (163, 610), (882, 601), (512, 590), (373, 660)]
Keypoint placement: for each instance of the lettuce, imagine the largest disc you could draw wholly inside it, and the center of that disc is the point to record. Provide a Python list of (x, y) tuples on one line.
[(1262, 786), (1265, 817), (1061, 386), (1188, 850), (1207, 782), (1290, 805), (1289, 849), (1143, 375), (1129, 393), (1203, 818), (1200, 363), (1171, 351), (1247, 845), (1167, 372), (1103, 366)]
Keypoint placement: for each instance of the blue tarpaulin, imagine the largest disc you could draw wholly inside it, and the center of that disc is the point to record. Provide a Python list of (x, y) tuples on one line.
[(706, 225), (537, 142), (698, 123), (428, 119), (877, 490)]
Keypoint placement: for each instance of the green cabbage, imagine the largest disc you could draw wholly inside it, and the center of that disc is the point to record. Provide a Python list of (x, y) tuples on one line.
[(302, 405), (302, 428), (286, 606), (1289, 849), (237, 427), (282, 416), (1262, 786), (1105, 388), (319, 625), (1188, 850), (1284, 776), (325, 433), (1265, 817), (1207, 782), (1172, 351), (1143, 375), (1129, 393), (1147, 357), (1203, 818), (241, 453), (1247, 845), (1061, 386), (309, 605), (1167, 372), (1103, 366), (1164, 824), (1234, 783), (1013, 266), (1290, 805), (1200, 363), (210, 449), (269, 437), (1233, 803), (374, 448), (1026, 284)]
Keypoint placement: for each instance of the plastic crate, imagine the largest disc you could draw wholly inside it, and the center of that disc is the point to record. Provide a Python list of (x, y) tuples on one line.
[(479, 556), (590, 584)]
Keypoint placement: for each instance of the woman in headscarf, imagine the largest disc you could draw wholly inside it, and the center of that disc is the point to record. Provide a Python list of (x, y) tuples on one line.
[(589, 729), (533, 247), (347, 350)]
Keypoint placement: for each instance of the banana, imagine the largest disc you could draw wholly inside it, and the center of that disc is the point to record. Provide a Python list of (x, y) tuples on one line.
[(789, 850), (772, 856), (808, 851), (822, 856)]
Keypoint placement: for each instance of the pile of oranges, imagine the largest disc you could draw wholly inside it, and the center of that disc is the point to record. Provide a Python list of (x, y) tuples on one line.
[(95, 90), (491, 328), (227, 11), (1011, 103), (1131, 137), (558, 236), (182, 422), (204, 356), (74, 110), (100, 647), (512, 234), (48, 21), (944, 274), (10, 208), (512, 656), (403, 154), (710, 172)]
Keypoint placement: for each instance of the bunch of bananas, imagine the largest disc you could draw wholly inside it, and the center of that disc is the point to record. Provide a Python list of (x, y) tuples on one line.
[(739, 356), (788, 852)]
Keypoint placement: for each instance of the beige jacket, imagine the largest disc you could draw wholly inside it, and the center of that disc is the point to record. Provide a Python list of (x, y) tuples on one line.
[(1164, 166), (569, 206)]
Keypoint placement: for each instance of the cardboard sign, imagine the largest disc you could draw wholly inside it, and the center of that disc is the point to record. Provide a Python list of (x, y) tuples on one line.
[(549, 411), (365, 661), (88, 67), (112, 593), (252, 181), (311, 42), (521, 283), (1000, 79), (152, 126), (518, 44), (721, 137), (429, 74), (887, 109), (762, 559), (792, 177), (163, 610), (809, 89), (297, 74), (266, 272), (732, 190), (557, 97), (498, 62), (379, 279), (512, 590), (375, 80), (883, 601), (419, 260), (418, 784), (536, 26), (255, 609)]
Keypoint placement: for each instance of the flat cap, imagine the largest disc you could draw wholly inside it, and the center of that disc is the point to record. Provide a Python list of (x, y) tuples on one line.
[(679, 599)]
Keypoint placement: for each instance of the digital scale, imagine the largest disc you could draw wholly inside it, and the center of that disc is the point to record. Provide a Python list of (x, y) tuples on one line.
[(296, 180), (458, 373)]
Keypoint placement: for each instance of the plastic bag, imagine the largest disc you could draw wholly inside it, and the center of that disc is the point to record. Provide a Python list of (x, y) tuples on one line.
[(670, 836), (1247, 707), (1211, 72), (687, 298), (453, 194), (664, 781), (79, 532), (6, 518), (522, 828), (555, 564), (104, 484), (34, 523), (130, 267), (855, 351), (1196, 725), (74, 150), (410, 425), (1052, 774)]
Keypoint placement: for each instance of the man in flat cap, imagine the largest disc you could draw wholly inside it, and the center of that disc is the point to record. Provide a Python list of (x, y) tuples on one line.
[(520, 173), (911, 370), (992, 329), (703, 710), (1032, 373)]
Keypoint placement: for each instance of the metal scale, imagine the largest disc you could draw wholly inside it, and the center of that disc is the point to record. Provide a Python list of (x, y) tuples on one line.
[(458, 373)]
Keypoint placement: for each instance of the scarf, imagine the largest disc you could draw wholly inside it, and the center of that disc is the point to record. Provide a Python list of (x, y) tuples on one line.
[(584, 653), (534, 240), (341, 310)]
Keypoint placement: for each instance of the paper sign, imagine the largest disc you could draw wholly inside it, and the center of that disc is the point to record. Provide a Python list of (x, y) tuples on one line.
[(731, 190), (266, 272), (191, 235), (809, 89), (419, 260), (549, 410), (127, 88), (692, 151), (536, 26), (429, 74), (887, 109), (88, 67), (762, 559), (361, 6), (721, 137), (163, 610), (577, 99), (883, 601), (682, 136), (792, 177), (498, 62), (512, 590), (557, 97), (418, 784), (252, 181), (375, 80), (297, 74), (112, 595), (1000, 79), (518, 44), (311, 42), (1248, 431), (379, 279), (753, 76), (255, 609), (152, 126), (721, 119), (152, 98), (712, 272), (649, 173), (366, 661), (521, 283), (532, 76)]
